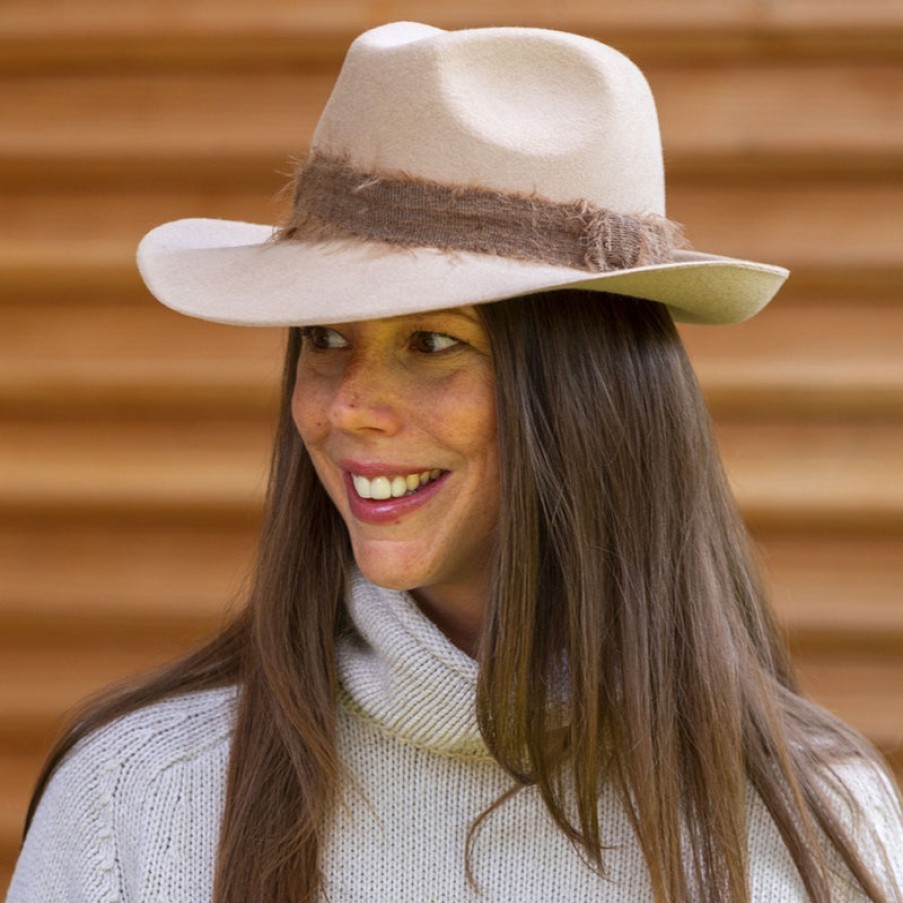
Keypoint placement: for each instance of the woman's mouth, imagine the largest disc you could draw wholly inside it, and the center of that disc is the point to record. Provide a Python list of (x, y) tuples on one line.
[(392, 486), (385, 498)]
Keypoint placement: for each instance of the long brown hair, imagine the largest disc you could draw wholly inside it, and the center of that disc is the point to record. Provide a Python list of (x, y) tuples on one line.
[(627, 638)]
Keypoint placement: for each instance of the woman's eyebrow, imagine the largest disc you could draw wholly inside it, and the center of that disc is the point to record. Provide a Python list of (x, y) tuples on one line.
[(452, 312)]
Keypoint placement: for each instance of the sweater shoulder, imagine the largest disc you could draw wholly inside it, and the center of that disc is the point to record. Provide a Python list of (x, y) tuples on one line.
[(130, 800), (171, 733), (131, 765)]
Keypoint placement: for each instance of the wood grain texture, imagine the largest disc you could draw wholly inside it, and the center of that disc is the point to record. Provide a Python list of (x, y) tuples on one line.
[(835, 225), (134, 442), (203, 126), (58, 357), (202, 33)]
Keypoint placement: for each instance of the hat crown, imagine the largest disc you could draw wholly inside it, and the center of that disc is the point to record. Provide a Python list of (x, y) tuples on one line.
[(517, 110), (453, 168)]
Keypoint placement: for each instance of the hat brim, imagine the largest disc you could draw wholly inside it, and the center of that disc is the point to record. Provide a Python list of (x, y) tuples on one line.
[(233, 272)]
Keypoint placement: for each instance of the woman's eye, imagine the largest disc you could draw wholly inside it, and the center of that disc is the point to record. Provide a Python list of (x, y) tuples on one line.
[(433, 342), (320, 338)]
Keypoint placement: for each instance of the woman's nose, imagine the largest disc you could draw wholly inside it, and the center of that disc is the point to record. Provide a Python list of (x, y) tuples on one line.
[(367, 397)]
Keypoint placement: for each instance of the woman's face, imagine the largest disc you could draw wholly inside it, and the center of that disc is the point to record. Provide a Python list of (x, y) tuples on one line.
[(398, 416)]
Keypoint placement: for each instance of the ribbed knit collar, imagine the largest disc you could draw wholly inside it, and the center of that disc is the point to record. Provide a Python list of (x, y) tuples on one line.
[(402, 672)]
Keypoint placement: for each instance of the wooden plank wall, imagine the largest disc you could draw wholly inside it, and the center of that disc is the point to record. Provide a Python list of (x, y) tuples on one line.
[(134, 441)]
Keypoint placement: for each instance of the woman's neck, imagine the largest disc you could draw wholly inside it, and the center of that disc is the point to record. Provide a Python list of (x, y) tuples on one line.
[(458, 611)]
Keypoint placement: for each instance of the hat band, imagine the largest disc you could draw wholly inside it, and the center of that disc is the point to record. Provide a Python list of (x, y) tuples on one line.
[(334, 200)]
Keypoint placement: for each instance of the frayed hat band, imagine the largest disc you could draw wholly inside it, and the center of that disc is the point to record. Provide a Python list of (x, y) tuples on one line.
[(333, 200)]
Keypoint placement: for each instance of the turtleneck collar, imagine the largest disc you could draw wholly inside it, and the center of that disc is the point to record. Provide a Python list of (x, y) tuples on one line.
[(403, 673)]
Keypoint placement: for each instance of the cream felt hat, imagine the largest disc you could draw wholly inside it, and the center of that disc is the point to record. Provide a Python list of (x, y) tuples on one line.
[(454, 168)]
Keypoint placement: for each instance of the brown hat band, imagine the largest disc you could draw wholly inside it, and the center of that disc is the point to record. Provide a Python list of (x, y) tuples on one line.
[(334, 200)]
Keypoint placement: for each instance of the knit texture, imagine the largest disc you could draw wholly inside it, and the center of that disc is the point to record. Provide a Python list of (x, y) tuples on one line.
[(133, 814)]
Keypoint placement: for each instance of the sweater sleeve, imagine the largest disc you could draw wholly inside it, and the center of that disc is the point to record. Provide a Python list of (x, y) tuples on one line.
[(133, 812), (67, 856)]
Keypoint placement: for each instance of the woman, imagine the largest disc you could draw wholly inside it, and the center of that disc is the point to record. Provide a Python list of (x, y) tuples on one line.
[(505, 639)]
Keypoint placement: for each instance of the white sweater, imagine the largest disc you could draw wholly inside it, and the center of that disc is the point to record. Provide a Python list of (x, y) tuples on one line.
[(133, 814)]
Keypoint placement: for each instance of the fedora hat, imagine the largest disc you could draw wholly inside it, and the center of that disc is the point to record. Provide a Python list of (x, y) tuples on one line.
[(461, 167)]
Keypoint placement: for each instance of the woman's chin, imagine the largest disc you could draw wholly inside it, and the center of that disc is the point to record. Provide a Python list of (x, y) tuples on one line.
[(388, 572)]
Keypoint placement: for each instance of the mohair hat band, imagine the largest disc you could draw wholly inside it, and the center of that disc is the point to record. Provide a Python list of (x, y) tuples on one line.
[(453, 168), (333, 200)]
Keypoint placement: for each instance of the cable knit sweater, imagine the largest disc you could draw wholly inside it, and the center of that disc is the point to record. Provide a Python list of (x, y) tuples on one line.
[(133, 814)]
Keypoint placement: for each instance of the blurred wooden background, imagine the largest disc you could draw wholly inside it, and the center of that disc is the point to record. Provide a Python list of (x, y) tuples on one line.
[(134, 441)]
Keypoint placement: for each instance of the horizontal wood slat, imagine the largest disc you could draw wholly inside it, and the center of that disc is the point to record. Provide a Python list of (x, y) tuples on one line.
[(837, 357), (840, 239), (18, 772), (209, 126), (105, 17), (86, 577), (62, 579), (60, 357), (134, 469), (807, 225), (173, 387), (279, 32), (50, 681), (41, 685), (831, 590), (56, 358), (846, 685), (819, 475), (813, 473)]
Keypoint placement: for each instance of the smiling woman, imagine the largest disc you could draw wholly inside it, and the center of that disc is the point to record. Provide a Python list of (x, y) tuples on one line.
[(505, 639), (398, 418)]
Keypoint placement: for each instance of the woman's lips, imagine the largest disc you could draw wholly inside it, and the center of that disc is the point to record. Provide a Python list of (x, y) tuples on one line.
[(385, 511)]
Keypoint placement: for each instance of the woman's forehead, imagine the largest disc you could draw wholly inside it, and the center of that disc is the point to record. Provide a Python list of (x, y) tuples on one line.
[(468, 313)]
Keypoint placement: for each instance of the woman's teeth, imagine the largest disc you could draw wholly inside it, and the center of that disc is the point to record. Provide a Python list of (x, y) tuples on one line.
[(392, 487)]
